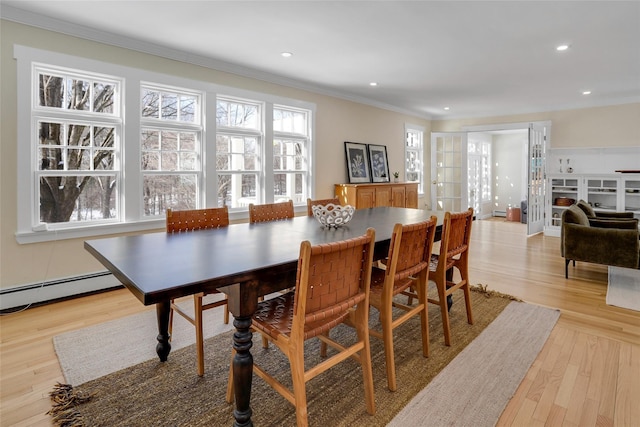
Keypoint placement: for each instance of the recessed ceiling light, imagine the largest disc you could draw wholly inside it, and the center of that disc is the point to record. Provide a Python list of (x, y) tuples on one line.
[(447, 108), (373, 84), (562, 47), (586, 92), (286, 54)]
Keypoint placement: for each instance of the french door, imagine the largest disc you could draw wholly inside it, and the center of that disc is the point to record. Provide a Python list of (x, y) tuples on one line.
[(449, 171), (536, 172)]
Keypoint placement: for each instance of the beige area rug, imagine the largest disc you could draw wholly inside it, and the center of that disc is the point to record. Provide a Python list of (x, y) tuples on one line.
[(171, 394), (474, 373), (92, 352), (624, 288)]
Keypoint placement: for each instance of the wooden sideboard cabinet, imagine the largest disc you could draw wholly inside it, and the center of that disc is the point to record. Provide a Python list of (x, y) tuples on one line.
[(363, 196)]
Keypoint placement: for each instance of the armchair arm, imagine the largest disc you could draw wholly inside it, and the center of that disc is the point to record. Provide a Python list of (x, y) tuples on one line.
[(624, 223), (614, 214), (609, 246)]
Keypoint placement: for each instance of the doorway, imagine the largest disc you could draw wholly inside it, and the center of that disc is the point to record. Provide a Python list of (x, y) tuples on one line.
[(516, 180)]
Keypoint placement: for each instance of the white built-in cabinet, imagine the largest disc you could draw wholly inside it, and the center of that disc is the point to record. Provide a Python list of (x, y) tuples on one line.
[(605, 192)]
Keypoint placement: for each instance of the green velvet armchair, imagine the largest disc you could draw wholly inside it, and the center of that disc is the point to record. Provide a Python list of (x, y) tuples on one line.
[(598, 238)]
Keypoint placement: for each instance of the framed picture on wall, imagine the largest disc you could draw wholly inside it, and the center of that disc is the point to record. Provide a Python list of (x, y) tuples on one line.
[(379, 163), (357, 162)]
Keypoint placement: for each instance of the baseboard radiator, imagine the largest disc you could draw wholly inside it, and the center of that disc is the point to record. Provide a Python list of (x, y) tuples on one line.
[(20, 296), (500, 213)]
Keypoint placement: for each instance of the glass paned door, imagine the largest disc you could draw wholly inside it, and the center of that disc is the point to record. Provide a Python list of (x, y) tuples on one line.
[(448, 171), (479, 175), (538, 140)]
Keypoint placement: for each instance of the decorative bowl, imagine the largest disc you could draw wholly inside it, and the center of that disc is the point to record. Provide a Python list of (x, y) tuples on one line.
[(333, 215)]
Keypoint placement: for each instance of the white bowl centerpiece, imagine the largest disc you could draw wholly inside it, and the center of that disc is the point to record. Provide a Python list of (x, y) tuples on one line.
[(333, 215)]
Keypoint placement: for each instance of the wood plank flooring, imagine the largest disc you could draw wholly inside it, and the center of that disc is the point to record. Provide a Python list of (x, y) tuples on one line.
[(588, 373)]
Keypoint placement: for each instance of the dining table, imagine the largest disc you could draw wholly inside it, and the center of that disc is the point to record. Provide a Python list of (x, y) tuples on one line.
[(244, 261)]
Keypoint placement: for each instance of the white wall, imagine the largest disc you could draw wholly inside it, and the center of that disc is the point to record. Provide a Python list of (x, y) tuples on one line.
[(509, 153)]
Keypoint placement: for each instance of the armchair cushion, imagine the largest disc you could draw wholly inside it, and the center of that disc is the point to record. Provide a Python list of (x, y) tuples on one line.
[(575, 215), (591, 213), (586, 208)]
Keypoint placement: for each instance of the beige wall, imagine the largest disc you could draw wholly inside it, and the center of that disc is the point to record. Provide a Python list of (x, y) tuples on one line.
[(336, 121), (612, 126)]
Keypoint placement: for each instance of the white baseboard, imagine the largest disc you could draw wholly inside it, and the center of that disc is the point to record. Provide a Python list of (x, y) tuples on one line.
[(47, 291)]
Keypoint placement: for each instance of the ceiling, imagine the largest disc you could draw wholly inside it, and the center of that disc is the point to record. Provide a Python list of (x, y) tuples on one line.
[(478, 58)]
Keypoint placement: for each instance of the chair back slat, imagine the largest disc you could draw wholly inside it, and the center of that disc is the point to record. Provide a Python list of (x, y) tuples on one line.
[(197, 219), (323, 202), (270, 212)]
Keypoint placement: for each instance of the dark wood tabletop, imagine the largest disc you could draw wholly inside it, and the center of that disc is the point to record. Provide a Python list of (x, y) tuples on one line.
[(160, 266), (244, 261)]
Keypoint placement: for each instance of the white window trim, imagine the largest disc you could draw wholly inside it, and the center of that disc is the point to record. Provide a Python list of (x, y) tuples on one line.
[(411, 127), (133, 78)]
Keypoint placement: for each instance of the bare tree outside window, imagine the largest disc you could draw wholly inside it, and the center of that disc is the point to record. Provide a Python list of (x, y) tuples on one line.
[(170, 150), (71, 145)]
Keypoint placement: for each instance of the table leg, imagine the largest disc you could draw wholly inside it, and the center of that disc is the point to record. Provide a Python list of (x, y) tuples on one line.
[(242, 371), (164, 346)]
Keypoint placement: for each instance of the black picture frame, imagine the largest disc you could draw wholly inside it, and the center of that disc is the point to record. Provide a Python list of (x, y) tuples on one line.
[(357, 162), (379, 163)]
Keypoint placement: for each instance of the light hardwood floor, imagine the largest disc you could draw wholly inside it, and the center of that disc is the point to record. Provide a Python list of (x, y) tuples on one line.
[(587, 374)]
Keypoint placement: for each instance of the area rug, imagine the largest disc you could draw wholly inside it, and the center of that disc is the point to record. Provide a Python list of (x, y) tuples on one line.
[(171, 394), (83, 353), (471, 375), (624, 288)]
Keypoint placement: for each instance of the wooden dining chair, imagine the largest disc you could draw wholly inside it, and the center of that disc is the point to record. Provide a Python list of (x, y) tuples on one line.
[(454, 254), (270, 212), (406, 272), (332, 286), (187, 221), (311, 203)]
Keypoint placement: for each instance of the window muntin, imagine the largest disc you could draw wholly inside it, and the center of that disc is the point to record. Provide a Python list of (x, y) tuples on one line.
[(290, 121), (238, 168), (291, 145), (70, 91), (170, 149), (76, 141), (169, 105), (232, 113), (414, 169), (121, 203)]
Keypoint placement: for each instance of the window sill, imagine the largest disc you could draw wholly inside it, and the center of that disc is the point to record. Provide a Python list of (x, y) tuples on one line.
[(92, 231), (88, 231)]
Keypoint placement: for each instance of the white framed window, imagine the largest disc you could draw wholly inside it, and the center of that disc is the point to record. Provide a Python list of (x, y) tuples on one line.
[(87, 124), (239, 151), (170, 149), (77, 130), (414, 155), (291, 154)]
